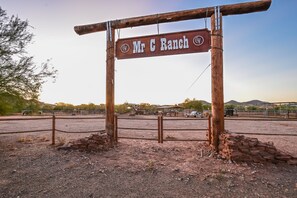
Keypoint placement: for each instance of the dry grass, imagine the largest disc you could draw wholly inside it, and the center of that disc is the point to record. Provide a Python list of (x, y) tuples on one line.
[(26, 140)]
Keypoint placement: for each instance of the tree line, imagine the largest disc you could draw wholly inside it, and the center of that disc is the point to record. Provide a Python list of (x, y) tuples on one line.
[(21, 79)]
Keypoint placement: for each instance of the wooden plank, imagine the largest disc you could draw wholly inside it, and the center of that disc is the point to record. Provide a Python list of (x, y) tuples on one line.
[(233, 9), (164, 44), (217, 91)]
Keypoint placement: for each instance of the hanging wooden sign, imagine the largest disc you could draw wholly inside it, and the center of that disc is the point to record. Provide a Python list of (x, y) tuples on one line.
[(164, 44)]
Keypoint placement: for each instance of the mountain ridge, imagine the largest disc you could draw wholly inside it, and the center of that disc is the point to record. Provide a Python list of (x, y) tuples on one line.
[(249, 103)]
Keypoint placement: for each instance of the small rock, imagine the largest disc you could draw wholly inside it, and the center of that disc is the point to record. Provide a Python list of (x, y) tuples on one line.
[(253, 172), (292, 162), (230, 183), (187, 180)]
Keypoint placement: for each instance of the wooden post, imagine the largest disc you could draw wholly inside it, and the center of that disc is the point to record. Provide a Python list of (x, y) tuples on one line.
[(209, 130), (217, 91), (116, 128), (161, 129), (53, 129), (158, 129), (110, 53)]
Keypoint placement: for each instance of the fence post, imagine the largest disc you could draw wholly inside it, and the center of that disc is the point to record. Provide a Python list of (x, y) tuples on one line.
[(209, 129), (116, 128), (53, 129), (161, 129)]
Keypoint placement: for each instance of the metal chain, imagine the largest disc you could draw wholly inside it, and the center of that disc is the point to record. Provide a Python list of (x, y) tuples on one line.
[(158, 24), (205, 19), (217, 18)]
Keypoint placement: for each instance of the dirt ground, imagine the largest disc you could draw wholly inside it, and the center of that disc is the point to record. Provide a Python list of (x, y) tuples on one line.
[(31, 167)]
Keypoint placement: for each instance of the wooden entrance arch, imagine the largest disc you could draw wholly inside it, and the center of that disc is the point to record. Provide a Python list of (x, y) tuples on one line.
[(216, 13)]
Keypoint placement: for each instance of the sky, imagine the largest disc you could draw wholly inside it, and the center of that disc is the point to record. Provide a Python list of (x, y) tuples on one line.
[(260, 52)]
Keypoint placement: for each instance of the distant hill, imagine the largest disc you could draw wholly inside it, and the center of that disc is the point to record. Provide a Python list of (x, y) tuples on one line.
[(205, 102), (233, 102), (256, 103), (248, 103)]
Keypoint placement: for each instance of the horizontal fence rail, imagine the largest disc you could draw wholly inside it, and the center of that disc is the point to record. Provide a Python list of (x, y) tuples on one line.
[(184, 129), (29, 131), (159, 122), (80, 118), (53, 129), (160, 130), (262, 119), (29, 118), (138, 129), (95, 131), (268, 134), (133, 118), (25, 119)]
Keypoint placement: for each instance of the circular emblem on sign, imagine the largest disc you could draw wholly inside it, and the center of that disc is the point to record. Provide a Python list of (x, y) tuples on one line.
[(198, 40), (124, 48)]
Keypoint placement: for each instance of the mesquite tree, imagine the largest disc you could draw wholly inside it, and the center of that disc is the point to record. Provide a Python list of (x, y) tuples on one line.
[(19, 75)]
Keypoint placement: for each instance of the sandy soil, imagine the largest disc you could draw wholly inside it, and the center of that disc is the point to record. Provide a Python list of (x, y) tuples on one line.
[(31, 167)]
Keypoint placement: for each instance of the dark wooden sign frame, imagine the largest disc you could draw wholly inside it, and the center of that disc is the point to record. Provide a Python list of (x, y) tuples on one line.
[(186, 42)]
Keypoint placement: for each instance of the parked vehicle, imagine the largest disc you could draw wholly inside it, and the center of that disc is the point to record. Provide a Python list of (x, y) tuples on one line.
[(194, 114), (27, 112), (229, 112)]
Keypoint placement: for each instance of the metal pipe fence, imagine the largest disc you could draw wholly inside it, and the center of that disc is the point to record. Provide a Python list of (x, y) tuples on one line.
[(53, 128), (160, 129), (158, 122)]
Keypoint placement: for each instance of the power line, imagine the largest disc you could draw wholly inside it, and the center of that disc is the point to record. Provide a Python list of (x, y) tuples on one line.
[(199, 76)]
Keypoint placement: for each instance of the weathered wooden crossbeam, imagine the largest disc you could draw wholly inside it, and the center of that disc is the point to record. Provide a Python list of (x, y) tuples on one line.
[(233, 9)]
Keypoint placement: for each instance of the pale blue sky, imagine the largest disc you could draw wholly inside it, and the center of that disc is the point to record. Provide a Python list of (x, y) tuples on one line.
[(259, 52)]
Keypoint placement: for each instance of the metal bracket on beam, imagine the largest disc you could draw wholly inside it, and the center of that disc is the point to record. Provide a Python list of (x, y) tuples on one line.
[(217, 18), (108, 31)]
